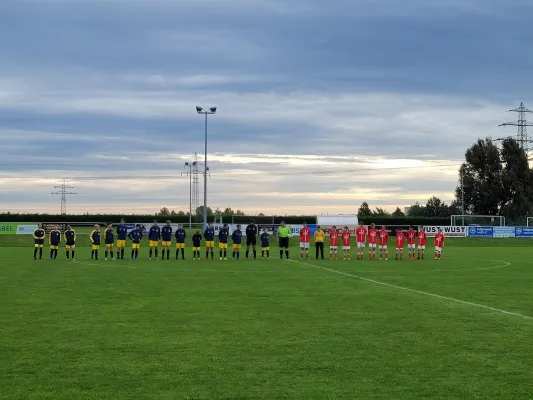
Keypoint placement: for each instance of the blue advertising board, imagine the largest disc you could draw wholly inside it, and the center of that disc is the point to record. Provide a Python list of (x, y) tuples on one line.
[(524, 232), (481, 231), (504, 231)]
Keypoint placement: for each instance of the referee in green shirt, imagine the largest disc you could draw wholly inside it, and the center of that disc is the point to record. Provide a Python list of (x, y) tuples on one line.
[(284, 232)]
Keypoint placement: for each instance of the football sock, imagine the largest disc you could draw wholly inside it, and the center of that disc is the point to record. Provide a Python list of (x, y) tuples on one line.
[(207, 254), (73, 254), (68, 254), (136, 253), (238, 255), (40, 253), (220, 252), (301, 254), (168, 254), (255, 253), (233, 254), (287, 254), (177, 253), (262, 253), (183, 254), (96, 254), (52, 253), (268, 254), (122, 254), (156, 252), (132, 253), (112, 254), (225, 253), (35, 252), (106, 254), (56, 251), (306, 254), (281, 254), (150, 252)]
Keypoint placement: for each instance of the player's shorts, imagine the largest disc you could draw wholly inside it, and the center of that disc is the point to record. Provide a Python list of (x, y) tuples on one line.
[(399, 248), (109, 246), (411, 246), (153, 243), (70, 246), (265, 248), (361, 244), (222, 245), (39, 242), (251, 240), (333, 247), (421, 247), (383, 247), (210, 243), (135, 246), (180, 245), (372, 245), (438, 249), (166, 243), (236, 246), (346, 247), (121, 243), (54, 246), (304, 245), (196, 249), (95, 247), (284, 242)]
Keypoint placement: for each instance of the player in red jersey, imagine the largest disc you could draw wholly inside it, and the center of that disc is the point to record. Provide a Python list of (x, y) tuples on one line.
[(422, 237), (411, 243), (372, 242), (346, 237), (360, 234), (305, 237), (400, 238), (383, 240), (333, 242), (439, 244)]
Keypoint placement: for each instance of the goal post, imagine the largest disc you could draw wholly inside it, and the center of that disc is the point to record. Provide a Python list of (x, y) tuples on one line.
[(529, 221), (479, 220)]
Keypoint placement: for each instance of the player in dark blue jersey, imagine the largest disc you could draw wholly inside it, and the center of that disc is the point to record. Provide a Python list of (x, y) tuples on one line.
[(95, 240), (154, 236), (265, 245), (136, 235), (196, 244), (166, 240), (54, 239), (236, 238), (70, 242), (223, 235), (209, 236), (38, 240), (180, 242), (109, 239), (122, 234)]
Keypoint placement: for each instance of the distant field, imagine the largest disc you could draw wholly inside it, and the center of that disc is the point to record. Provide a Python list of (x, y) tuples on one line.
[(458, 328)]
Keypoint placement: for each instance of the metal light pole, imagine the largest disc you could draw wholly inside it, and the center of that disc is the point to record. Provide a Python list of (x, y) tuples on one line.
[(462, 197), (200, 110), (190, 165)]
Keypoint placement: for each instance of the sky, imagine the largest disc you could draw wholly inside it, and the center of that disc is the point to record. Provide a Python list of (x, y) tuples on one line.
[(320, 105)]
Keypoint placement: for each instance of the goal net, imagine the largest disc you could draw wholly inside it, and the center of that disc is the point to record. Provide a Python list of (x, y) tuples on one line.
[(477, 220)]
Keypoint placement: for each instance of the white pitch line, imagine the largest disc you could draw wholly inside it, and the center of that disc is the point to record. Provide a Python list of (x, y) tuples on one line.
[(504, 265), (415, 291), (104, 264)]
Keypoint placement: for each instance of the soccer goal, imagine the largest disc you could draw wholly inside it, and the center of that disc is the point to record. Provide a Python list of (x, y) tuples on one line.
[(478, 220), (528, 221)]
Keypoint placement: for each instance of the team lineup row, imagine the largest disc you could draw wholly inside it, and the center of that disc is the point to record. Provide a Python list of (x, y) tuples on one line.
[(163, 236)]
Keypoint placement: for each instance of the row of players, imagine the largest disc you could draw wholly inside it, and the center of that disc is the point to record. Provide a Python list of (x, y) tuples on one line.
[(376, 238), (157, 235)]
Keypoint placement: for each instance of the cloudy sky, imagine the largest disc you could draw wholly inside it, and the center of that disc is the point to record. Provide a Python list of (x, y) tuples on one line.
[(321, 104)]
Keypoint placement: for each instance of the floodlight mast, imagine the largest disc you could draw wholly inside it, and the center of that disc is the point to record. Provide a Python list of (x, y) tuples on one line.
[(211, 111)]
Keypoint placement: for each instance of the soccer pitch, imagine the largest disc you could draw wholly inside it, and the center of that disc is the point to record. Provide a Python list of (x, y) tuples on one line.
[(457, 328)]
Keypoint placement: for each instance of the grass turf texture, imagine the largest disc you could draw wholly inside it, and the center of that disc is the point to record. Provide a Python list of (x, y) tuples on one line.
[(267, 329)]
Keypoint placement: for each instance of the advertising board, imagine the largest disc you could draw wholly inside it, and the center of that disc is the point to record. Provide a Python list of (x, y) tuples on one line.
[(481, 231), (524, 232), (449, 231), (504, 231), (8, 228), (26, 229)]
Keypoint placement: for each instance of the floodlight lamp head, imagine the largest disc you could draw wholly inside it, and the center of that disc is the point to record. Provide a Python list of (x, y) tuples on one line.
[(213, 109), (199, 109)]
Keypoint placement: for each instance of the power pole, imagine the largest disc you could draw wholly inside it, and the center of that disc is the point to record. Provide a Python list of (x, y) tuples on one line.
[(63, 192), (194, 188), (522, 124)]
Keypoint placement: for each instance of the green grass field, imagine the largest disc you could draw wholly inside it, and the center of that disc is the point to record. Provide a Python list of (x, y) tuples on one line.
[(458, 328)]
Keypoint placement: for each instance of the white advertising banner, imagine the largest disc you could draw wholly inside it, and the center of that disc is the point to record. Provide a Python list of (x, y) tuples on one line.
[(504, 232), (26, 229), (449, 231)]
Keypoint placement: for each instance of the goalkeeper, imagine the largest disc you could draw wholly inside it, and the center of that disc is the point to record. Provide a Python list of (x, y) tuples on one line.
[(284, 233)]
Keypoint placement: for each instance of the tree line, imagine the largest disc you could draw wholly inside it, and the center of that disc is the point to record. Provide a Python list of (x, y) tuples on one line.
[(434, 208)]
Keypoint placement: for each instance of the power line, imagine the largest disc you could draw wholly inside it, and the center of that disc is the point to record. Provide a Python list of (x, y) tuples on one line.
[(522, 124), (63, 192)]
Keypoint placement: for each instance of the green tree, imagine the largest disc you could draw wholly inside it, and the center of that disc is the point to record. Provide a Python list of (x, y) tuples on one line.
[(398, 213), (364, 210), (164, 212), (380, 212), (436, 208), (239, 213), (416, 210), (228, 212), (200, 211)]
